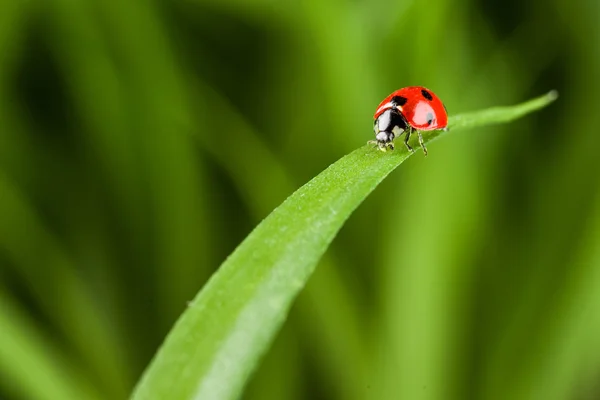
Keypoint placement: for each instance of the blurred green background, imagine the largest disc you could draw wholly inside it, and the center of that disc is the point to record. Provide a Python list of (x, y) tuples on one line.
[(141, 141)]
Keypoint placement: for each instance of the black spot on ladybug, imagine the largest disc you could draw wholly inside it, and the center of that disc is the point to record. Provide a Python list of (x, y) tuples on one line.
[(399, 100), (429, 118), (426, 94)]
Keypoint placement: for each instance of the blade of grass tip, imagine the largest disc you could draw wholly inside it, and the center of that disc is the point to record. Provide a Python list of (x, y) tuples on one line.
[(498, 115), (219, 339)]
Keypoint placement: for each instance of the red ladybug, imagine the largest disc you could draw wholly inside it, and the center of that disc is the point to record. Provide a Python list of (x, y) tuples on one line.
[(409, 109)]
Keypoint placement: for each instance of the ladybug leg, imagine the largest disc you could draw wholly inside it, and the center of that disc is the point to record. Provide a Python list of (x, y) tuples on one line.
[(406, 137), (390, 142), (422, 143), (380, 145)]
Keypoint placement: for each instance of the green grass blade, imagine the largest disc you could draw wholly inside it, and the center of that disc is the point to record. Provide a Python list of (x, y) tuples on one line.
[(497, 115), (29, 363), (219, 339)]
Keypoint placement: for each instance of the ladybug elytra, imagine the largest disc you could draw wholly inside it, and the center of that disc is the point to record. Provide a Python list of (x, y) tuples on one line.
[(410, 109)]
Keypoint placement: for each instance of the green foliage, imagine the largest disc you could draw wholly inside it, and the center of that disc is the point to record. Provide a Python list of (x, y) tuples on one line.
[(141, 142), (218, 341)]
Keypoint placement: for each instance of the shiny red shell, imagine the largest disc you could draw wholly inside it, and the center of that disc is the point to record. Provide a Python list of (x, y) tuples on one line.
[(419, 106)]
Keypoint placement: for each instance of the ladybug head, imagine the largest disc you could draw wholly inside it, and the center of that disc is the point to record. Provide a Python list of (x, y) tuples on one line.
[(389, 125)]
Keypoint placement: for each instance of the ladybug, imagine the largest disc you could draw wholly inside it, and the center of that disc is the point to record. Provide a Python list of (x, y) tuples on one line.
[(410, 109)]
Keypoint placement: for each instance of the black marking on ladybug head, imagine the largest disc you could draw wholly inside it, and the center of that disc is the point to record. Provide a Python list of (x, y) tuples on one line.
[(426, 94), (429, 118), (399, 101), (388, 125)]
